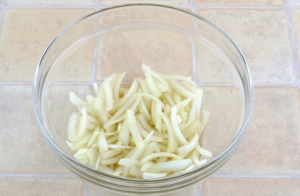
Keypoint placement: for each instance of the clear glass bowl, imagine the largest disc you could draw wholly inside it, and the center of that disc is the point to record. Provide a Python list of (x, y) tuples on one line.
[(167, 39)]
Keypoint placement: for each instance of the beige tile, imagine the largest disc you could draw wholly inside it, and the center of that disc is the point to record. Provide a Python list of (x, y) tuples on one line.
[(271, 142), (250, 187), (22, 147), (126, 50), (94, 190), (20, 52), (78, 65), (294, 2), (210, 66), (50, 2), (27, 186), (165, 2), (240, 2), (59, 109), (296, 23), (225, 106), (263, 37), (192, 190)]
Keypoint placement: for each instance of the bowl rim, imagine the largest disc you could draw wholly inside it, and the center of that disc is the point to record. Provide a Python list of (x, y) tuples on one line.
[(249, 95)]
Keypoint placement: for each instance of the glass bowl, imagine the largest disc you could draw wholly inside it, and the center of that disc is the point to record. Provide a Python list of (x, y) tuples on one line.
[(167, 39)]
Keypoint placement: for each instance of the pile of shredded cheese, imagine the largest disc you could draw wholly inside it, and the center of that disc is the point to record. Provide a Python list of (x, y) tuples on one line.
[(148, 130)]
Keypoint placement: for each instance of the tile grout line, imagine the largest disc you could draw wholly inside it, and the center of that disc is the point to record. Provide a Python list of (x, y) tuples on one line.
[(88, 83), (255, 84), (237, 7), (276, 84), (72, 83), (194, 63), (49, 6), (1, 16), (201, 189), (191, 3), (85, 189), (94, 66), (255, 176), (95, 6), (16, 83), (286, 2), (22, 175), (194, 50), (293, 42), (98, 5), (193, 9), (37, 175)]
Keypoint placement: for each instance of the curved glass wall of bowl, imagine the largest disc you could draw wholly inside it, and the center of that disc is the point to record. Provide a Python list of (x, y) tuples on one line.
[(168, 40)]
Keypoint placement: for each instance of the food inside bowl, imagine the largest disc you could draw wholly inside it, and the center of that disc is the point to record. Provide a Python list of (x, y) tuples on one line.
[(149, 130)]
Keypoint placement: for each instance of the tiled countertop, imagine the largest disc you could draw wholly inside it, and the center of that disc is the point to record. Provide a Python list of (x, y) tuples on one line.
[(267, 31)]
